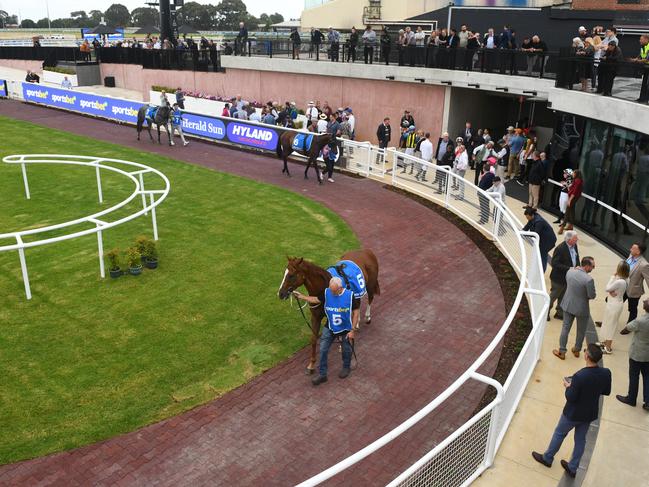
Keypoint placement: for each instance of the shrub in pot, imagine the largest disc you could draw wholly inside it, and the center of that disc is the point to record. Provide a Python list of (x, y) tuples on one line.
[(140, 244), (114, 263), (150, 254), (134, 259)]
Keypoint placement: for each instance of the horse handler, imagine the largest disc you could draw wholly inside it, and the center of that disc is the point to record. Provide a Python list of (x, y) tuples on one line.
[(343, 313), (177, 124)]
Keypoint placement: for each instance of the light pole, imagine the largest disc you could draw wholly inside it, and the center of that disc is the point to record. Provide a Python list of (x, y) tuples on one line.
[(49, 24)]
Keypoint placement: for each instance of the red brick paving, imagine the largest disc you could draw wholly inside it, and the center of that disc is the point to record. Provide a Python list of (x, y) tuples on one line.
[(440, 307)]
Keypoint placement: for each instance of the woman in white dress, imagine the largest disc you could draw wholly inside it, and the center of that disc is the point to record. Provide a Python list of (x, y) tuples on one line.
[(615, 290)]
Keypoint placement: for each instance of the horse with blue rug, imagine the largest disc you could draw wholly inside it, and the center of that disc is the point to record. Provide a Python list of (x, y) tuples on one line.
[(152, 114), (307, 144), (359, 272)]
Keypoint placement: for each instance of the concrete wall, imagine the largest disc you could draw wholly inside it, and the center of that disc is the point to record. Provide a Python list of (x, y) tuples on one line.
[(371, 100), (35, 66)]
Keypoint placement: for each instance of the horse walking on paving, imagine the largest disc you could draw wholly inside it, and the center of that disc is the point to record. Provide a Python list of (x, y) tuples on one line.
[(307, 144), (161, 116), (358, 270)]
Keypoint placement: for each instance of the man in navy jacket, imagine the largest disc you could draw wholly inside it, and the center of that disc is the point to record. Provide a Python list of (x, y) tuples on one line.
[(547, 239), (582, 407)]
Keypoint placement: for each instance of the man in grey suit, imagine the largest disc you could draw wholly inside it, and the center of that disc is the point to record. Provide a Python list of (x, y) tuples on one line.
[(580, 289), (564, 258), (637, 277)]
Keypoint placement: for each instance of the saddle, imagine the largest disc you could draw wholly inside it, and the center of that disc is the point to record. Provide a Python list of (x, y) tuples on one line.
[(302, 142), (351, 275)]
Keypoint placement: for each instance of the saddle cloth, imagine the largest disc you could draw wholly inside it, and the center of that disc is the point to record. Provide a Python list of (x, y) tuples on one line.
[(351, 275), (302, 142)]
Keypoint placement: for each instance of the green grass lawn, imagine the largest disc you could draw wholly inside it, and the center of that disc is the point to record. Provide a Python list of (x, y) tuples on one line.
[(89, 358)]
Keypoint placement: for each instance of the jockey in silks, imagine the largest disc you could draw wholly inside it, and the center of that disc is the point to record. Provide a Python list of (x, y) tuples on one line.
[(177, 124)]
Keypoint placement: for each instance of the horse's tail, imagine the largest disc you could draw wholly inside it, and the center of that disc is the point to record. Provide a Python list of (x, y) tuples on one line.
[(140, 118), (372, 255), (280, 152)]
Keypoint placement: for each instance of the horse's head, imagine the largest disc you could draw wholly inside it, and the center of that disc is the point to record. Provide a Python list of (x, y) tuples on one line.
[(294, 277)]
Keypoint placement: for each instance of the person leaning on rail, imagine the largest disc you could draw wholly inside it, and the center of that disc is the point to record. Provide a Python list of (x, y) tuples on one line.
[(343, 313)]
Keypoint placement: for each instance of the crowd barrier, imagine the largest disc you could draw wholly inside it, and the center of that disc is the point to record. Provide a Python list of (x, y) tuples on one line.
[(463, 455)]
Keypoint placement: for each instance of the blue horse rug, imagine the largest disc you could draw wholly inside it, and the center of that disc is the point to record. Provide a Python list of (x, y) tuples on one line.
[(302, 142), (351, 275)]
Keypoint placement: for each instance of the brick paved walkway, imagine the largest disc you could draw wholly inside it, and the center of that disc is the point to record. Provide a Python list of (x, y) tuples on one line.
[(438, 310)]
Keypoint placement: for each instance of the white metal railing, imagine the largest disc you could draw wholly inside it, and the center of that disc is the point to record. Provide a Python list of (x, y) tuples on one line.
[(467, 452), (151, 198)]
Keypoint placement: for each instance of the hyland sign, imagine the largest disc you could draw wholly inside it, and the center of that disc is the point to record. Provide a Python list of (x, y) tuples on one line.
[(253, 135)]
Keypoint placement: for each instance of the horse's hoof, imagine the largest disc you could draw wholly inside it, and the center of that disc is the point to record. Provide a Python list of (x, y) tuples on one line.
[(306, 177), (321, 182), (309, 371), (368, 321)]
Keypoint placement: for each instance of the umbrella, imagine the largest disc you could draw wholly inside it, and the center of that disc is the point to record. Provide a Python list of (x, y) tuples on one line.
[(102, 29), (148, 29), (186, 29)]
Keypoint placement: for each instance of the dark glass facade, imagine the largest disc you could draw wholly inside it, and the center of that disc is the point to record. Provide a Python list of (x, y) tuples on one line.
[(615, 166)]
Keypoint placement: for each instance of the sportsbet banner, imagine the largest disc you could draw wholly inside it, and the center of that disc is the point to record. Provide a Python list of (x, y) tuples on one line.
[(260, 136), (86, 103)]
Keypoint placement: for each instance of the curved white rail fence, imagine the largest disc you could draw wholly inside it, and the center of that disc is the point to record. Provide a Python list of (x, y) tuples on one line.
[(133, 171), (466, 453)]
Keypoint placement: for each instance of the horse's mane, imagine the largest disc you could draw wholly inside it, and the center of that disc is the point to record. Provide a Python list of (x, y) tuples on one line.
[(312, 269)]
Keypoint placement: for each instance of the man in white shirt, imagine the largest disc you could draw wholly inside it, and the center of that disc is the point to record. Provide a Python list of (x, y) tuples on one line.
[(460, 165), (66, 83), (352, 121), (312, 113), (499, 188), (322, 124), (426, 148)]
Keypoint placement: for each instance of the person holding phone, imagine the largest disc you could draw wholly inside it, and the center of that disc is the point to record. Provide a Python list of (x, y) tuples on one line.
[(582, 392)]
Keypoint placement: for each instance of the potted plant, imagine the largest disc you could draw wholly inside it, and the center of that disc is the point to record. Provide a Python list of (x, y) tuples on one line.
[(134, 259), (113, 263), (150, 254), (141, 245)]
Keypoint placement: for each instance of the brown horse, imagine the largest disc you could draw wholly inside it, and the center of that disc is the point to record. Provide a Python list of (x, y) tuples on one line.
[(285, 148), (316, 279)]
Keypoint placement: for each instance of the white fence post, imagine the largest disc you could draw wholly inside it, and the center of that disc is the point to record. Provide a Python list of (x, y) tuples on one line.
[(369, 159), (25, 181), (101, 195), (143, 195), (100, 245), (153, 219), (447, 196), (23, 266)]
